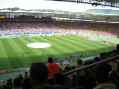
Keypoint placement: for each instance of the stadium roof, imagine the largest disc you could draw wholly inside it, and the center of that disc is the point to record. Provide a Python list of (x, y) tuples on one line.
[(54, 5)]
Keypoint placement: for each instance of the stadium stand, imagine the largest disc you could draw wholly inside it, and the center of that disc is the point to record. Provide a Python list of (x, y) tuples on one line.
[(99, 73)]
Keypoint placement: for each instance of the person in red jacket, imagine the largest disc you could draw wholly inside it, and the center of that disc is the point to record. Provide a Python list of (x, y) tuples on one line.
[(53, 68)]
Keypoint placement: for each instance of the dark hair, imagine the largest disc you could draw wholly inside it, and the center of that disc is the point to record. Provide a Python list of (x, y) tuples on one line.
[(79, 62), (97, 59), (39, 72), (50, 60), (102, 72)]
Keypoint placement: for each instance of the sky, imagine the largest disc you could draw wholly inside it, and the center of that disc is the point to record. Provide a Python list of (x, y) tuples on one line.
[(46, 4)]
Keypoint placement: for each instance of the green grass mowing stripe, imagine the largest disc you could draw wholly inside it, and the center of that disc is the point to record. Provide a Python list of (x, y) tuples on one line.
[(48, 51), (57, 45), (70, 42), (28, 53), (26, 41), (10, 53), (42, 51), (23, 58), (102, 47), (84, 42), (78, 44), (2, 51), (38, 54), (16, 58), (65, 50), (65, 47), (17, 53), (73, 43), (92, 45), (53, 41), (54, 47), (98, 47), (32, 54), (4, 60), (45, 51), (90, 50), (76, 49)]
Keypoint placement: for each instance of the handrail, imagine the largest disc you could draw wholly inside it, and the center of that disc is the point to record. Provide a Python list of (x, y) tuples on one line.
[(91, 65)]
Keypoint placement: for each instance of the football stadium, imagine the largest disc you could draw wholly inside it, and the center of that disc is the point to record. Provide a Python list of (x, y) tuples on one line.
[(53, 41)]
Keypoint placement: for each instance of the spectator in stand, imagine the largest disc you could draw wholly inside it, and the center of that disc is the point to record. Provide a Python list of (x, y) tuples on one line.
[(102, 72), (18, 82), (77, 78), (96, 59), (79, 63), (53, 69), (9, 84), (1, 84), (39, 75), (84, 78), (26, 82), (26, 75), (66, 66), (102, 77), (4, 85), (114, 76)]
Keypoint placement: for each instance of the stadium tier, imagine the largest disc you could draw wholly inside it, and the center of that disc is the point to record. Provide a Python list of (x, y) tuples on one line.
[(56, 49)]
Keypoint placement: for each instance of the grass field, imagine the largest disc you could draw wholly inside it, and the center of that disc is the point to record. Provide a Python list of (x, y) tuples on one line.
[(15, 54)]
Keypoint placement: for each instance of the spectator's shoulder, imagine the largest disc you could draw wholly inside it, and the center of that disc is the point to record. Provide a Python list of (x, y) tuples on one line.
[(106, 86)]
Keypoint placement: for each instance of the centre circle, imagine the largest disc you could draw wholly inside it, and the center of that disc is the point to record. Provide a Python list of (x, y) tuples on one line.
[(39, 45)]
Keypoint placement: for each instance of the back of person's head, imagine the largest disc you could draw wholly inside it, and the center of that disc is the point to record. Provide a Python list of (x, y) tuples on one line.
[(117, 47), (39, 72), (79, 62), (102, 72), (96, 59), (26, 75), (87, 62), (20, 76), (50, 60)]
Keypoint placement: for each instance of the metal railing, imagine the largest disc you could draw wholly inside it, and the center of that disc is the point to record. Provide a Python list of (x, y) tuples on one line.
[(93, 64)]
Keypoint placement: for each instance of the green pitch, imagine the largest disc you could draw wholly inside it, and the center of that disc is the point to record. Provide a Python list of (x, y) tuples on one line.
[(15, 54)]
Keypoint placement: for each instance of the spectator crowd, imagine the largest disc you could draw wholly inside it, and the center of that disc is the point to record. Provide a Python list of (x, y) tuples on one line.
[(52, 76)]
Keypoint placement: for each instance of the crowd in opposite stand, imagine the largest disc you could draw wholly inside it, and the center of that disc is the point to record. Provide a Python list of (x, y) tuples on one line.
[(60, 27), (51, 76)]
